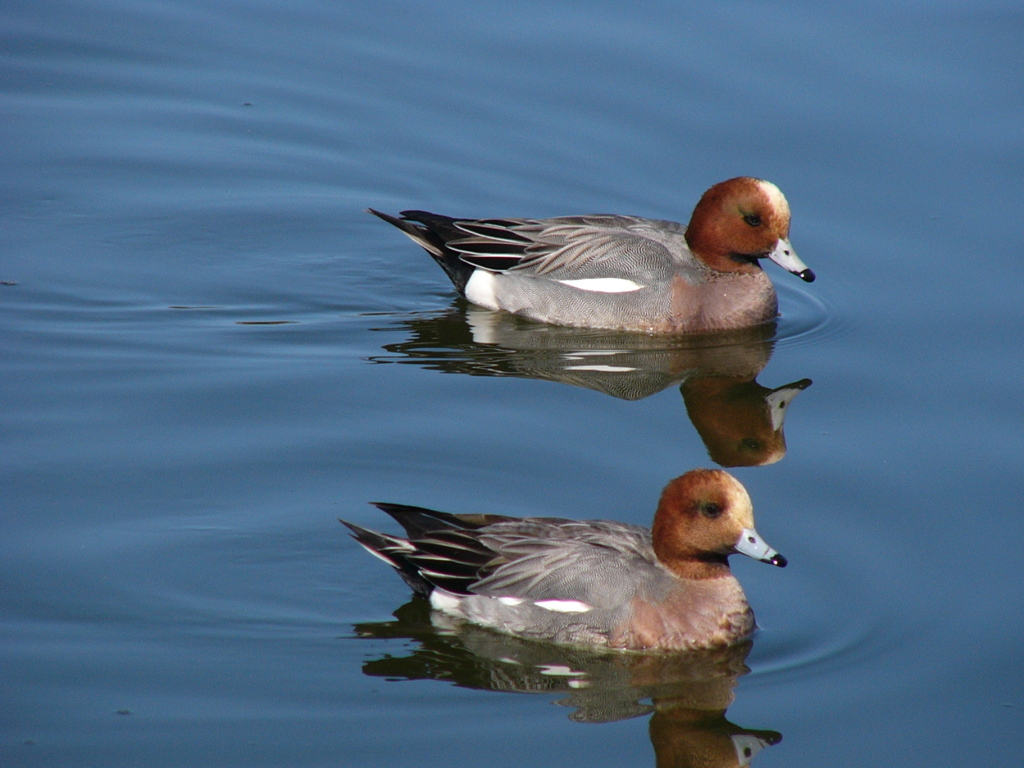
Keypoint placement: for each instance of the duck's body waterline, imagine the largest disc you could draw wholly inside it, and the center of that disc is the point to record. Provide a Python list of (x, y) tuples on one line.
[(589, 583), (623, 272)]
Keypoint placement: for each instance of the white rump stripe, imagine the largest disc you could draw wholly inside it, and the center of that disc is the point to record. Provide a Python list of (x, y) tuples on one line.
[(603, 284)]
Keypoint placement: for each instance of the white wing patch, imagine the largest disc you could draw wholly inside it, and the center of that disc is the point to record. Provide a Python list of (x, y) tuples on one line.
[(564, 606), (601, 368), (603, 284)]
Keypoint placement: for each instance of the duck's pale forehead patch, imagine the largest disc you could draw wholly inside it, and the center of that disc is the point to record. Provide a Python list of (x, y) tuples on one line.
[(738, 501), (775, 197)]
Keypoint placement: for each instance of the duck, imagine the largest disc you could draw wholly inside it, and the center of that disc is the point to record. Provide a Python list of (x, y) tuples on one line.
[(617, 272), (598, 584)]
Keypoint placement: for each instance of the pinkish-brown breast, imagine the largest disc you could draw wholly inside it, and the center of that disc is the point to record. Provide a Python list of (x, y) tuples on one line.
[(723, 302), (696, 614)]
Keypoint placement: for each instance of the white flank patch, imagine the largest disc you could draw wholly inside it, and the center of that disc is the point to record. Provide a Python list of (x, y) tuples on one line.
[(602, 368), (510, 600), (480, 289), (564, 606), (579, 683), (603, 284), (444, 601), (557, 670)]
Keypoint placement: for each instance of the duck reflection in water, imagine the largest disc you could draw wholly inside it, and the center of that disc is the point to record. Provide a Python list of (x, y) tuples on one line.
[(612, 614), (739, 421), (686, 695)]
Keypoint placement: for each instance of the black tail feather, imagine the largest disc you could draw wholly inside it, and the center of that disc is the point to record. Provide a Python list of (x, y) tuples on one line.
[(441, 551), (432, 231), (386, 548), (419, 521)]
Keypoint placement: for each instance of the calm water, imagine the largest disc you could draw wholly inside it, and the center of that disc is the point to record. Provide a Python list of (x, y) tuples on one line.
[(210, 353)]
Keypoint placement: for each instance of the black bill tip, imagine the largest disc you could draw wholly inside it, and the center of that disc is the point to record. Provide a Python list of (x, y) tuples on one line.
[(778, 560)]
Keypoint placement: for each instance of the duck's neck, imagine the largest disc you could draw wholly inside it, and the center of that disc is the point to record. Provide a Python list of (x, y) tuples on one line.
[(699, 567)]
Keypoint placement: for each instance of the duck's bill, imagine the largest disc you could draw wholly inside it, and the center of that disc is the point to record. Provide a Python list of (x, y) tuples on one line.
[(752, 545), (778, 400), (786, 257)]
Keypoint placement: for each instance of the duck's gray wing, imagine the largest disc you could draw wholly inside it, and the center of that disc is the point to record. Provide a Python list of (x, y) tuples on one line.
[(575, 247), (578, 561)]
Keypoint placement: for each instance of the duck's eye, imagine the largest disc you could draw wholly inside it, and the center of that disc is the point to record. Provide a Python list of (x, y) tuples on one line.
[(711, 510), (752, 219)]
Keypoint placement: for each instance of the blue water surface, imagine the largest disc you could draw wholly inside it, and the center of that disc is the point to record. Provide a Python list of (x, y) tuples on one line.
[(210, 353)]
